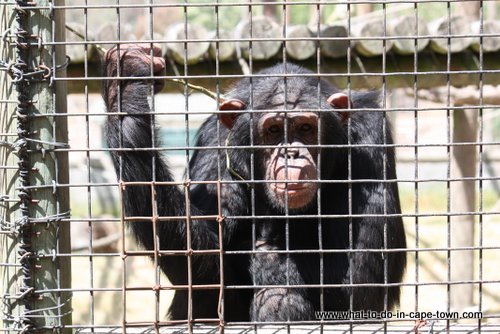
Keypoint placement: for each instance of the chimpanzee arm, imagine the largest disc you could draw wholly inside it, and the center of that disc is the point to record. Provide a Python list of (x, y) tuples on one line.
[(373, 200), (138, 162)]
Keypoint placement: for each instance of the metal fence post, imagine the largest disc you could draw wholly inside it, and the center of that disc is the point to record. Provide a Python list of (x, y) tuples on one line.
[(35, 229)]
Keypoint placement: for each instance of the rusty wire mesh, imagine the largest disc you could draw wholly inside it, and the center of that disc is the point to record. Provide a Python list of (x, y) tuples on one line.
[(434, 63)]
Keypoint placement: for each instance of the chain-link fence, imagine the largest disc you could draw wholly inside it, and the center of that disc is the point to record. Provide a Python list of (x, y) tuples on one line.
[(274, 166)]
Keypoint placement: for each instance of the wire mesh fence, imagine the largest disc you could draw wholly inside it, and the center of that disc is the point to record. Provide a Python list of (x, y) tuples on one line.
[(235, 166)]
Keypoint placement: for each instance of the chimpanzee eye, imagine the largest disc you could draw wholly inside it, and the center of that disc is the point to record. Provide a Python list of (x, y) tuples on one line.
[(305, 127), (274, 129)]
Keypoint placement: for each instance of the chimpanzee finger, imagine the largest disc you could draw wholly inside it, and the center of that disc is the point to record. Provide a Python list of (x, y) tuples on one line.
[(143, 47), (145, 55), (159, 65), (142, 50), (158, 70)]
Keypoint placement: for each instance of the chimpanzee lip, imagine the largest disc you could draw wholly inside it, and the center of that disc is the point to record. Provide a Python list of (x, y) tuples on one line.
[(291, 187)]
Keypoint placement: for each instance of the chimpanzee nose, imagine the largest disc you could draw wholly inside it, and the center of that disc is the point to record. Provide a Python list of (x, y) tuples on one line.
[(292, 153)]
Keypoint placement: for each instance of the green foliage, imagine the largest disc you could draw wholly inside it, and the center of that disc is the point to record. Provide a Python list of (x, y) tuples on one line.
[(229, 16)]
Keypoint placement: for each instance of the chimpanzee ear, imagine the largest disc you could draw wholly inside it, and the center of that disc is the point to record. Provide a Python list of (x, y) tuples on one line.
[(228, 119), (340, 101)]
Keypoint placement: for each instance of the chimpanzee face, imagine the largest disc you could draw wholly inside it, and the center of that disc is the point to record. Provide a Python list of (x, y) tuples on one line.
[(288, 159)]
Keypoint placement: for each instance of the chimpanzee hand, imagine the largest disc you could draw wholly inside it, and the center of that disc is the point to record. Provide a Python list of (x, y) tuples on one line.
[(135, 61)]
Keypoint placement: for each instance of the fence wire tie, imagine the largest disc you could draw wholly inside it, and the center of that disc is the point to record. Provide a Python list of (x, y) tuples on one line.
[(41, 46), (4, 198), (65, 64), (11, 228), (51, 11), (33, 313), (14, 69), (19, 8), (17, 70), (19, 296), (18, 321), (56, 218), (4, 143), (39, 74), (26, 329), (4, 224), (5, 34), (52, 144)]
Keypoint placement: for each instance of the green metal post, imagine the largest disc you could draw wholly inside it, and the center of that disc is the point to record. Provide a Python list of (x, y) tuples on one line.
[(36, 280)]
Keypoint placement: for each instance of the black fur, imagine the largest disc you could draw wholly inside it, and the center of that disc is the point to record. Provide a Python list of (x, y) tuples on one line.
[(266, 268)]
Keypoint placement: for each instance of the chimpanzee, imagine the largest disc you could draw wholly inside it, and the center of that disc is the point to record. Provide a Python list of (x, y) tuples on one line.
[(305, 227)]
